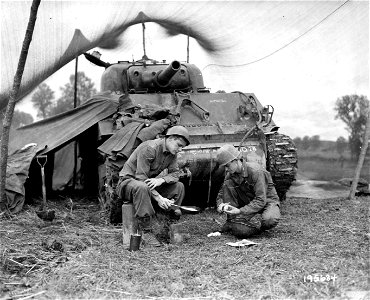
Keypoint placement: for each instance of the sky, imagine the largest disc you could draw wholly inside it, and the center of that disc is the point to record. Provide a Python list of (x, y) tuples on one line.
[(297, 56)]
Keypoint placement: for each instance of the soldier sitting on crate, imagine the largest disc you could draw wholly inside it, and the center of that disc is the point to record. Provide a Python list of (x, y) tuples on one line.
[(247, 190), (138, 182)]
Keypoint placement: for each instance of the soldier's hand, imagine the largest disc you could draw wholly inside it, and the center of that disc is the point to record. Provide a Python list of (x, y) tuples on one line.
[(165, 203), (152, 183), (221, 207), (231, 210)]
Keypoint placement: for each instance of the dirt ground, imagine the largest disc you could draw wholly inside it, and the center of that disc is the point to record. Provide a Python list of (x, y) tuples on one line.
[(80, 256), (318, 189)]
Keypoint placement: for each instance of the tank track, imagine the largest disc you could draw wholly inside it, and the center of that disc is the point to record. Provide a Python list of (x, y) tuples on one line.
[(282, 162)]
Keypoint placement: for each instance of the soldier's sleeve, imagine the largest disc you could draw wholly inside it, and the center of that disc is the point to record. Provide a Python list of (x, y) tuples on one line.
[(144, 160), (260, 199), (220, 195), (173, 172)]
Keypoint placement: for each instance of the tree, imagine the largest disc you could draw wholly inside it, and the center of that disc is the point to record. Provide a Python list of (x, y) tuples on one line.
[(297, 141), (21, 118), (353, 110), (362, 155), (42, 100), (315, 142), (85, 90), (11, 103), (306, 142), (341, 145)]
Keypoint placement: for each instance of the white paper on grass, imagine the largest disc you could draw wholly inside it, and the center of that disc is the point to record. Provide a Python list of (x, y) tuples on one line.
[(242, 243), (217, 233)]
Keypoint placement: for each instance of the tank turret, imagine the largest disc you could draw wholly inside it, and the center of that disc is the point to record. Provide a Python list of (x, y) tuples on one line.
[(149, 76)]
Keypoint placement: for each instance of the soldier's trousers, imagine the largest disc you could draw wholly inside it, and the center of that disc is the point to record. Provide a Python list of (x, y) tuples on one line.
[(239, 225), (139, 194)]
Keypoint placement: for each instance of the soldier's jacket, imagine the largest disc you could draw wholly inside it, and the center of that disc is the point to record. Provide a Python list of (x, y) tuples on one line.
[(149, 159), (253, 187)]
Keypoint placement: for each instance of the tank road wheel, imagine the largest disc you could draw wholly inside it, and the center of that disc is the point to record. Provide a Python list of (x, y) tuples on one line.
[(282, 162)]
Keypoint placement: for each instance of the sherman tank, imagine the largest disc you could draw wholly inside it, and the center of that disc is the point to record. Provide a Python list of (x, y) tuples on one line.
[(175, 91)]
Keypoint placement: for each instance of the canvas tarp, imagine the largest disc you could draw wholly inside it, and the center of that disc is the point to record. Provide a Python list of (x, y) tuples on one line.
[(64, 166), (50, 135), (56, 131), (17, 172)]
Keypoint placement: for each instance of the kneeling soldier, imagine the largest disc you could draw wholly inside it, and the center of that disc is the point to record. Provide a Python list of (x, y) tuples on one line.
[(248, 190)]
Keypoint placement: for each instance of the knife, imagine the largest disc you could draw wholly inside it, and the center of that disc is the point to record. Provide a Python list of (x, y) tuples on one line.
[(186, 208)]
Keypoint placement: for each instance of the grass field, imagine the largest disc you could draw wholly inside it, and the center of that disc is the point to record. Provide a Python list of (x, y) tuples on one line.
[(80, 256), (326, 164), (330, 170)]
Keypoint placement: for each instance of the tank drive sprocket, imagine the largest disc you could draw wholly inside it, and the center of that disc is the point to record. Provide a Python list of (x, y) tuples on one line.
[(282, 162)]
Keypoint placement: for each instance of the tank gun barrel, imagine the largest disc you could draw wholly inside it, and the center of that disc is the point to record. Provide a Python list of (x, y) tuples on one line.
[(163, 78)]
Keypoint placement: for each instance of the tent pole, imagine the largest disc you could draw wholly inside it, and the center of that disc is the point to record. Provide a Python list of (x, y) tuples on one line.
[(187, 49), (75, 104), (144, 56)]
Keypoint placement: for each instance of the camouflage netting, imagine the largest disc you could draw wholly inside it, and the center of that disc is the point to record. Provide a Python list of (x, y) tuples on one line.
[(61, 34)]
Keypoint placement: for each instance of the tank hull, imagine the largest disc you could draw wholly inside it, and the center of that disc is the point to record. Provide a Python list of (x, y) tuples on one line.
[(206, 177), (212, 120)]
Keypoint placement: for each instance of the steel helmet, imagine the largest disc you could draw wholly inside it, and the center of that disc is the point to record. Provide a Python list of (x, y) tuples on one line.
[(226, 154), (179, 131)]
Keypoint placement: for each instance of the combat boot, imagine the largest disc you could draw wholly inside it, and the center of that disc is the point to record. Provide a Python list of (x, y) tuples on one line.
[(240, 228), (147, 234)]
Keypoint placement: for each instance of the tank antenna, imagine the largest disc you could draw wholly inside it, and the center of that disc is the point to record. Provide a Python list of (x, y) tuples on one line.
[(144, 56), (187, 50)]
